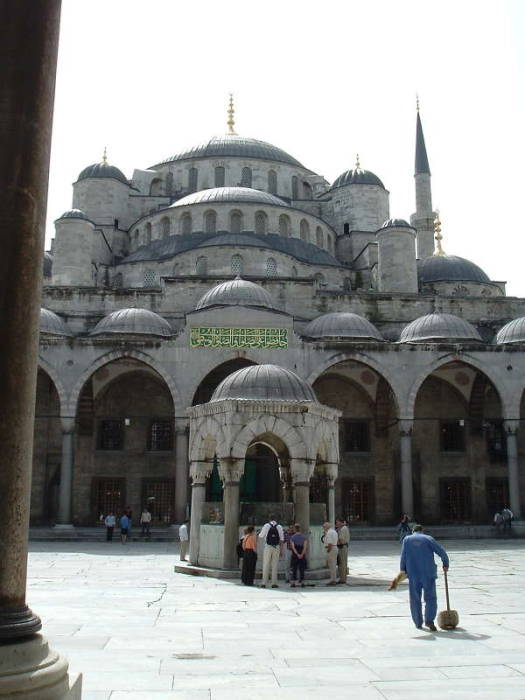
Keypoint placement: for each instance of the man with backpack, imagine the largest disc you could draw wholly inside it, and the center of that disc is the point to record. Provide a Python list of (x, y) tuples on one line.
[(273, 535)]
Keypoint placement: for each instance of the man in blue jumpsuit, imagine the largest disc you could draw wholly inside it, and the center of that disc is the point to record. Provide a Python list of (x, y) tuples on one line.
[(417, 561)]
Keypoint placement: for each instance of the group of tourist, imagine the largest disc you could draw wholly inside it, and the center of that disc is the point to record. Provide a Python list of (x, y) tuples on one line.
[(124, 523), (292, 546)]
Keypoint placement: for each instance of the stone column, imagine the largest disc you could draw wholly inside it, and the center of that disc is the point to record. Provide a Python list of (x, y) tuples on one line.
[(28, 669), (231, 471), (331, 476), (301, 474), (511, 431), (181, 470), (199, 473), (407, 492), (65, 520)]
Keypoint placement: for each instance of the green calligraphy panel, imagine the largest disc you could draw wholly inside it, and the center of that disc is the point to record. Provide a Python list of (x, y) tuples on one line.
[(255, 338)]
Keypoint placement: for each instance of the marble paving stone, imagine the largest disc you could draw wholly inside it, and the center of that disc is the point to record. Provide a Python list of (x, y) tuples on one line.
[(161, 695), (494, 671), (329, 692), (454, 689)]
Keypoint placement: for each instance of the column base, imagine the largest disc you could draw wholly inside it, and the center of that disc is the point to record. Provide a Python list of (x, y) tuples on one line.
[(30, 670), (63, 526), (18, 624)]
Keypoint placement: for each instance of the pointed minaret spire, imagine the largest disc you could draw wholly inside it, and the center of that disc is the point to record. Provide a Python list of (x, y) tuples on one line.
[(231, 117), (422, 166), (357, 163), (105, 156), (423, 219)]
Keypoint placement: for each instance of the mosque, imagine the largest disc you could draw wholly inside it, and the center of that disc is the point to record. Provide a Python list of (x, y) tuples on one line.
[(226, 330)]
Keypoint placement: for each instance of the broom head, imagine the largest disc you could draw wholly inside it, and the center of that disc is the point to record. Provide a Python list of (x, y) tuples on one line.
[(448, 619)]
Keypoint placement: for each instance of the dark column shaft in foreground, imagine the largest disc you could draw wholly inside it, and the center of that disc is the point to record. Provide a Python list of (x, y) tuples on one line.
[(28, 56)]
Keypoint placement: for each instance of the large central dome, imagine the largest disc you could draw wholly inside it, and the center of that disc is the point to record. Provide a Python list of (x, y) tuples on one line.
[(264, 383), (234, 146)]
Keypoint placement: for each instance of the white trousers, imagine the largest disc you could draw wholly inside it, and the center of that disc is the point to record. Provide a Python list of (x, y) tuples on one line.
[(331, 560), (270, 562)]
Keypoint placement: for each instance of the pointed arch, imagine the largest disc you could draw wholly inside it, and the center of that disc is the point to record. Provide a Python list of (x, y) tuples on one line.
[(57, 382), (206, 441), (275, 426)]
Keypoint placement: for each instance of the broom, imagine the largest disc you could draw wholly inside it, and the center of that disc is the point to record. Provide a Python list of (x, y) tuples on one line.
[(448, 619)]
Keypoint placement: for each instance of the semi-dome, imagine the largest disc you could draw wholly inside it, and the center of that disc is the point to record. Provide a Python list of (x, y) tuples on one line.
[(357, 176), (133, 322), (439, 328), (449, 268), (103, 169), (236, 292), (242, 195), (512, 332), (48, 264), (396, 223), (234, 146), (73, 214), (52, 324), (264, 383), (342, 324)]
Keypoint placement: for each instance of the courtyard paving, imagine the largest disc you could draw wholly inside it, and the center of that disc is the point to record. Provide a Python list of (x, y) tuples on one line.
[(138, 631)]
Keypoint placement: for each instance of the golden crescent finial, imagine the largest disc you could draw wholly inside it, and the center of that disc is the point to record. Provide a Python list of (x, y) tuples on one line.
[(417, 102), (357, 163), (105, 156), (438, 236), (231, 116)]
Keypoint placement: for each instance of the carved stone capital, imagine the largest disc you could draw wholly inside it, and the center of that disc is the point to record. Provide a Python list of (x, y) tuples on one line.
[(231, 470), (405, 427), (301, 471), (199, 472), (511, 426), (67, 423)]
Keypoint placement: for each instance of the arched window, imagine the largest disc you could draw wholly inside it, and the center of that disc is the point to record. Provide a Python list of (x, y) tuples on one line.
[(304, 228), (261, 225), (156, 187), (294, 271), (150, 278), (186, 225), (219, 176), (319, 237), (201, 266), (329, 243), (284, 225), (169, 184), (165, 227), (237, 265), (295, 187), (272, 181), (271, 267), (148, 234), (136, 238), (246, 177), (117, 281), (193, 179), (210, 222), (235, 222), (307, 190)]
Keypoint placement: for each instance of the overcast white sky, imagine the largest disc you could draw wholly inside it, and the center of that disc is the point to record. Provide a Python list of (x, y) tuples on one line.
[(322, 80)]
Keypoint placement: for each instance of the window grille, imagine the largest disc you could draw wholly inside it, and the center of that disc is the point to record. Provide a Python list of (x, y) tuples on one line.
[(304, 230), (356, 436), (161, 435), (271, 267), (235, 222), (319, 237), (210, 222), (497, 494), (455, 500), (284, 225), (237, 265), (193, 179), (356, 500), (158, 496), (219, 176), (260, 222), (150, 278), (201, 267), (111, 434), (246, 177), (109, 497), (272, 182)]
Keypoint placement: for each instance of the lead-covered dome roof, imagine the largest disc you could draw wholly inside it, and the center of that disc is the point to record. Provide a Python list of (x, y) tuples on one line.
[(52, 324), (234, 146), (244, 195), (449, 268), (264, 383), (357, 176), (512, 332), (73, 214), (133, 322), (236, 292), (103, 170), (439, 328), (396, 223), (48, 264), (342, 324)]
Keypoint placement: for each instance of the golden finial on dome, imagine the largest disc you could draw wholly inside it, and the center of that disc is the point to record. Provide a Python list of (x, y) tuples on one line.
[(417, 102), (357, 163), (231, 116), (105, 156), (438, 236)]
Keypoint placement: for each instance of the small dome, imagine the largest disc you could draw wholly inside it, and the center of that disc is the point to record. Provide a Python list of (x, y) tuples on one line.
[(73, 214), (264, 382), (244, 195), (234, 146), (357, 176), (439, 328), (103, 169), (133, 322), (237, 292), (52, 324), (48, 264), (342, 325), (512, 332), (395, 223), (449, 268)]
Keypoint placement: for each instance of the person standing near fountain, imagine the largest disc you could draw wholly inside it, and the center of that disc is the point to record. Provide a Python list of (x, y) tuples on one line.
[(273, 535)]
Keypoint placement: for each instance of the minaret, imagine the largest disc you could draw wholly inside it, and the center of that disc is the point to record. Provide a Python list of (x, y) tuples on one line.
[(423, 219)]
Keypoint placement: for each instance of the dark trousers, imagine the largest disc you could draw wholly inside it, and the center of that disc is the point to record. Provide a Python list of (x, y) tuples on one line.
[(145, 528), (249, 560), (507, 526), (298, 565), (109, 533)]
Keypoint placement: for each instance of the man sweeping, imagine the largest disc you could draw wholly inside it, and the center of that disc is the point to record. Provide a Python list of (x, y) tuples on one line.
[(417, 561)]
